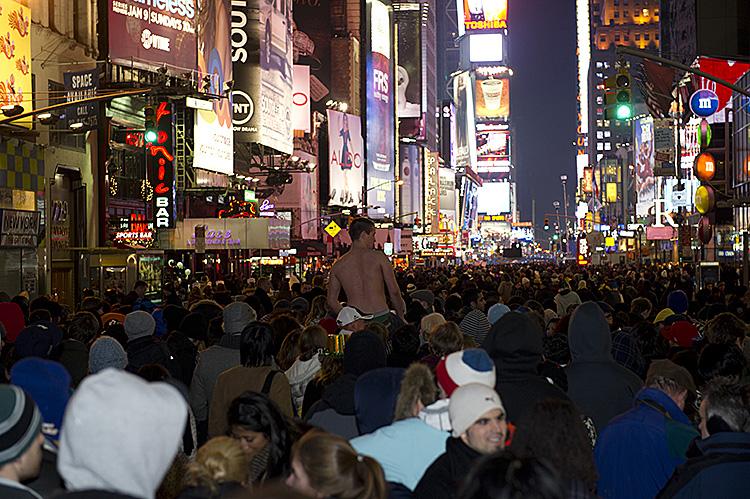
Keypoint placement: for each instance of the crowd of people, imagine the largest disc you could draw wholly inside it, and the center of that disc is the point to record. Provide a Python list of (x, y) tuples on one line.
[(467, 382)]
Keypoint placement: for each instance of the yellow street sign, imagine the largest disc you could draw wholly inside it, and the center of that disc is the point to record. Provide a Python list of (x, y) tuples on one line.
[(332, 229)]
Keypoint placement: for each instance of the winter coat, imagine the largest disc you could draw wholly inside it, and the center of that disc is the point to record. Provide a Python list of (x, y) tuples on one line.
[(564, 299), (639, 450), (211, 363), (515, 345), (375, 395), (405, 449), (335, 412), (599, 386), (238, 380), (299, 376), (445, 476), (719, 469), (149, 350), (185, 354), (14, 490)]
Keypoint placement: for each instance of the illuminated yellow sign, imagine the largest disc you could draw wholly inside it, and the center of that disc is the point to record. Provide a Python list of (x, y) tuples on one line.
[(15, 56)]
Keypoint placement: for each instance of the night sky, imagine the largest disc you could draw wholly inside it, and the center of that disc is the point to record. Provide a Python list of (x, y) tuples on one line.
[(543, 101)]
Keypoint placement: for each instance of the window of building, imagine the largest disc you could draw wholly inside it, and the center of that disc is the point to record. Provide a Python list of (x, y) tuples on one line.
[(606, 123), (598, 64), (602, 39), (599, 75), (59, 133), (80, 21), (626, 14), (606, 65), (607, 133), (645, 12), (608, 146), (617, 37), (617, 14), (599, 123), (646, 36), (599, 146), (637, 36), (599, 134), (656, 36), (617, 2), (626, 37), (599, 100)]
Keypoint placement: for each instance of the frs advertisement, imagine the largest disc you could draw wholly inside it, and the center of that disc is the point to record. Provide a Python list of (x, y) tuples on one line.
[(345, 157), (153, 34), (262, 62), (214, 145), (380, 129)]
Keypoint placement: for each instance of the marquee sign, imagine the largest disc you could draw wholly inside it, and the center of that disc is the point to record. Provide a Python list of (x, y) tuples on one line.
[(160, 168)]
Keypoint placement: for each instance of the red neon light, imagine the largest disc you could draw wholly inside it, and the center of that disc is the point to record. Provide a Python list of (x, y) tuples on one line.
[(161, 111), (161, 149)]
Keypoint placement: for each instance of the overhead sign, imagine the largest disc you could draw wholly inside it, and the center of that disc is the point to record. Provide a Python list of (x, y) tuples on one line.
[(153, 34), (160, 168), (332, 229), (704, 103), (81, 85)]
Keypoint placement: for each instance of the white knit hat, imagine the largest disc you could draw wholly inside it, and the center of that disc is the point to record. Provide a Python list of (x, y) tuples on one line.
[(469, 403)]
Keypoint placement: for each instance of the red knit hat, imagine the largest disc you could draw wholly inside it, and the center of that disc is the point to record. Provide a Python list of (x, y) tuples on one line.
[(681, 332)]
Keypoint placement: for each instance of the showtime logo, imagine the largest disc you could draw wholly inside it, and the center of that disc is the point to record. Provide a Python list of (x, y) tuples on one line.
[(150, 40)]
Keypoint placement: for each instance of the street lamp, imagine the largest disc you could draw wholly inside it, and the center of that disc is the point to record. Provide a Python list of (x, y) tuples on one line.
[(396, 181)]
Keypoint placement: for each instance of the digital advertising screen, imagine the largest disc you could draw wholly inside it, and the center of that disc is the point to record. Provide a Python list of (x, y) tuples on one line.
[(463, 129), (492, 92), (493, 147), (346, 153), (494, 198), (481, 15)]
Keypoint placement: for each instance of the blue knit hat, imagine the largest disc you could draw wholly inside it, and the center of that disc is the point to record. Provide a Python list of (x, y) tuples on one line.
[(48, 384), (678, 301), (106, 352), (496, 311), (38, 340)]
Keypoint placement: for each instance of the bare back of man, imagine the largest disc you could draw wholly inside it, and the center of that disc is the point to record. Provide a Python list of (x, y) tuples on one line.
[(365, 275)]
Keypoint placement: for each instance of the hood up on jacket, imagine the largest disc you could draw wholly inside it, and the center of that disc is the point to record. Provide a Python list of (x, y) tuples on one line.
[(515, 345), (375, 395), (588, 334), (121, 434)]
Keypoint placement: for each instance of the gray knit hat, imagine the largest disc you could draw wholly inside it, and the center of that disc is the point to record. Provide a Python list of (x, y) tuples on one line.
[(476, 325), (106, 352), (139, 324), (237, 315), (20, 423)]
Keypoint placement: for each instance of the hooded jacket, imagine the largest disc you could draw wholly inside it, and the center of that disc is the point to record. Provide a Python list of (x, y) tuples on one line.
[(299, 376), (444, 477), (599, 386), (514, 343), (335, 411), (564, 299), (375, 394), (121, 434)]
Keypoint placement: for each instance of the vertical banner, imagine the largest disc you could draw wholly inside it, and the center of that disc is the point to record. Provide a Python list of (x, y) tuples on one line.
[(15, 57), (410, 202), (301, 98), (431, 193), (262, 63), (409, 69), (469, 203), (465, 150), (447, 200), (160, 168), (345, 157), (312, 46), (645, 186), (214, 145), (380, 109)]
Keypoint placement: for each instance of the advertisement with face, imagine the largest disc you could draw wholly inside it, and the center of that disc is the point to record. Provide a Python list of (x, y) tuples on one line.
[(153, 34), (262, 61), (312, 46), (380, 129), (469, 203), (410, 192), (493, 147), (447, 189), (464, 135), (644, 165), (214, 144), (345, 158), (482, 15), (492, 97), (409, 69)]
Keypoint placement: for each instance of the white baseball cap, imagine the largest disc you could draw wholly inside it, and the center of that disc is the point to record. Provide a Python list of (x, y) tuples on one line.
[(347, 315)]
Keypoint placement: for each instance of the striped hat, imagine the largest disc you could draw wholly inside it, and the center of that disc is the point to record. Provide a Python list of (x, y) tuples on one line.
[(20, 423), (472, 365)]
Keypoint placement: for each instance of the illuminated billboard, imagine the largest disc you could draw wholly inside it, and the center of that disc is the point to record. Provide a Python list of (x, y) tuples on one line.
[(262, 62), (492, 92), (214, 138), (644, 165), (345, 158), (153, 34), (481, 15), (301, 98), (493, 148), (447, 200), (462, 127), (15, 56), (409, 69), (494, 198), (469, 203), (410, 192), (380, 110), (486, 47), (160, 168)]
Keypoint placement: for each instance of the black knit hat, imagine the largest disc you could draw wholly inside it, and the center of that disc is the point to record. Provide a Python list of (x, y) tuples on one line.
[(20, 423)]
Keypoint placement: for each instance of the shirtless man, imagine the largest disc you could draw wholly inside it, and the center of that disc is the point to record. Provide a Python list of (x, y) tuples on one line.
[(362, 272)]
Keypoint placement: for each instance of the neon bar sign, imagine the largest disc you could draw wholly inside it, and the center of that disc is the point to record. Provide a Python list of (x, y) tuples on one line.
[(160, 166)]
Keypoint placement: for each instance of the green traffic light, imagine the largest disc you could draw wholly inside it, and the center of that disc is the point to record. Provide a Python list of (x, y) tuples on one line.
[(623, 112), (555, 237), (150, 136)]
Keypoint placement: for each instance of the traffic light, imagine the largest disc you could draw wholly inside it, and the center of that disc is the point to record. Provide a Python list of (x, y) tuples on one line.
[(618, 96), (546, 224), (150, 133), (705, 197)]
